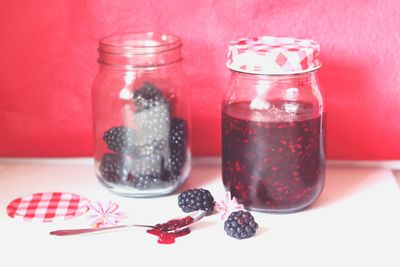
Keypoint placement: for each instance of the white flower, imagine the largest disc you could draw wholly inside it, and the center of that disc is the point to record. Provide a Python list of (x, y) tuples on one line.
[(104, 215), (227, 205)]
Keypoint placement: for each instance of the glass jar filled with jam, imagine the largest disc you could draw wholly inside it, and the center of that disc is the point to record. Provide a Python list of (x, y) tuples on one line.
[(273, 124), (141, 113)]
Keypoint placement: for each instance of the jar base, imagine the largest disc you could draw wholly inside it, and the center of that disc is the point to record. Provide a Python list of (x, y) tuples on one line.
[(288, 210), (285, 211), (126, 191)]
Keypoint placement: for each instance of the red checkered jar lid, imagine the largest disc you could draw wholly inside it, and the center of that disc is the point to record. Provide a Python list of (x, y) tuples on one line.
[(48, 206), (273, 55)]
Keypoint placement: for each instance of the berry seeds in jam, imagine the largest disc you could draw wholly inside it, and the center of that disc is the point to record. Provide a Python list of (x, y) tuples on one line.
[(273, 159)]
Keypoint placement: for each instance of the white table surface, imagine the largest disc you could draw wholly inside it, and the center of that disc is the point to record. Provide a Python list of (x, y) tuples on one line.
[(355, 222)]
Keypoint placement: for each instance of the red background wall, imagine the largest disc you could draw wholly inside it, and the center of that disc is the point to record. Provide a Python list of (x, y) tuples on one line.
[(48, 62)]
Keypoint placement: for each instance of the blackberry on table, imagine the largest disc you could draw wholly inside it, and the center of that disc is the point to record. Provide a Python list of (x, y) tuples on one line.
[(147, 96), (196, 199), (115, 168), (240, 224), (119, 139)]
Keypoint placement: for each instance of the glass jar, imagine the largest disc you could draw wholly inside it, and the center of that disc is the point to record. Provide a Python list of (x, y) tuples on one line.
[(273, 124), (141, 115)]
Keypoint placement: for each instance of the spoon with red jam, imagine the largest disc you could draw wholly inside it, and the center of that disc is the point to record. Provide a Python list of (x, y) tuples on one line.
[(168, 230)]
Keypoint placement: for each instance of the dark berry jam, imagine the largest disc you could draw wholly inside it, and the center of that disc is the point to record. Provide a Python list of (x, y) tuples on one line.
[(174, 224), (273, 159), (169, 231), (165, 237)]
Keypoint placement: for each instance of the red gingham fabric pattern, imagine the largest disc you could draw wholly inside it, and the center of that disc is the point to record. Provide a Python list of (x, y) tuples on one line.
[(48, 206), (273, 55)]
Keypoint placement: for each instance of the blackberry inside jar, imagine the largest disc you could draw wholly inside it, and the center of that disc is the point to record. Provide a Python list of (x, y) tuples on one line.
[(151, 155), (141, 115)]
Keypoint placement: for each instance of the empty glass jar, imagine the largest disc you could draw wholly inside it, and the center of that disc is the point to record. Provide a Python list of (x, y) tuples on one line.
[(141, 115), (273, 131)]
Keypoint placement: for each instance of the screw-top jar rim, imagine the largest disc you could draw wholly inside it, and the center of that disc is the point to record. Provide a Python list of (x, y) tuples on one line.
[(143, 49), (150, 42), (271, 55)]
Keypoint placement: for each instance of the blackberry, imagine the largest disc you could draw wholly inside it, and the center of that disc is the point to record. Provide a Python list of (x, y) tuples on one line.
[(177, 143), (240, 224), (148, 149), (153, 124), (147, 172), (151, 165), (115, 168), (178, 134), (119, 139), (144, 182), (177, 162), (196, 199), (147, 96)]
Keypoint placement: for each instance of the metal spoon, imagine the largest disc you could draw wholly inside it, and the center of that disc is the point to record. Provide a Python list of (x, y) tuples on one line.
[(196, 217)]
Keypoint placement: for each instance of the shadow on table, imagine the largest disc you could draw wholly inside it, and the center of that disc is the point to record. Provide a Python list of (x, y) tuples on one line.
[(342, 182)]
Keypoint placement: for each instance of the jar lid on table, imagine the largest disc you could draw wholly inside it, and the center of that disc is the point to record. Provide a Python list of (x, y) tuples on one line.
[(273, 55)]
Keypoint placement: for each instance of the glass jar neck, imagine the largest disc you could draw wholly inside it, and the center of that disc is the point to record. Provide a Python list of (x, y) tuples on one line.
[(139, 50), (259, 90), (307, 77)]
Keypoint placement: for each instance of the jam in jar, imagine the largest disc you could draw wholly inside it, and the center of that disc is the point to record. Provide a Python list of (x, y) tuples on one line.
[(273, 124)]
